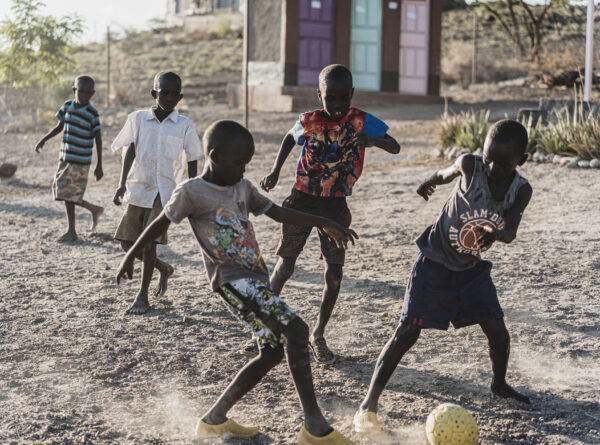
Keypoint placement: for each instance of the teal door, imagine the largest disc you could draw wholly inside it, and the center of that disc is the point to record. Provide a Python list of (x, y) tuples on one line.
[(365, 44)]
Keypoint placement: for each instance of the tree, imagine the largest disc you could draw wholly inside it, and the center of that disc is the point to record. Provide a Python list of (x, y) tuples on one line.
[(517, 17), (35, 49)]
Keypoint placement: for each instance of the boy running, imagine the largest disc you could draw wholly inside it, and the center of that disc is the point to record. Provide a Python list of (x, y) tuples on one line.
[(334, 139), (449, 281), (81, 125), (217, 205), (157, 141)]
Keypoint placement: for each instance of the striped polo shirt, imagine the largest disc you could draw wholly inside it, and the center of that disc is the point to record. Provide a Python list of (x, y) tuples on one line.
[(80, 124)]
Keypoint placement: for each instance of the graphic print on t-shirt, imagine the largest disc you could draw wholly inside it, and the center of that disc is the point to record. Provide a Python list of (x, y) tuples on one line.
[(464, 239), (330, 164), (235, 240)]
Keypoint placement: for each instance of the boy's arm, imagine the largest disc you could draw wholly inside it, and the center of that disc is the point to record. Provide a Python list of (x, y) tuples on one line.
[(387, 143), (270, 181), (512, 221), (98, 173), (463, 164), (50, 135), (126, 166), (340, 234), (192, 169), (156, 228)]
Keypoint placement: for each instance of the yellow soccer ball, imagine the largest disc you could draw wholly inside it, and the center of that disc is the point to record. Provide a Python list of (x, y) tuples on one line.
[(451, 424)]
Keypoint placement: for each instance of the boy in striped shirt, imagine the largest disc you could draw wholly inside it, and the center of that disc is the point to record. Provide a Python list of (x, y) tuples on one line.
[(81, 125)]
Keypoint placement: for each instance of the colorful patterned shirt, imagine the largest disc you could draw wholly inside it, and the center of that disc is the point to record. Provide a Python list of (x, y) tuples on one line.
[(80, 125), (219, 218), (329, 164)]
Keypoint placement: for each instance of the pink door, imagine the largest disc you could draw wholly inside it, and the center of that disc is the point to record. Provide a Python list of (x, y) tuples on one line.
[(316, 36), (414, 46)]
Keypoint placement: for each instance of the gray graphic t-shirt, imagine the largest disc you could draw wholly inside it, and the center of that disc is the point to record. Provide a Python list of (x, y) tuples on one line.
[(219, 218), (452, 240)]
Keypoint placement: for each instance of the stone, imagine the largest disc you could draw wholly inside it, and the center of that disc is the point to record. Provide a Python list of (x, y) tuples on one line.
[(7, 170), (556, 159), (595, 163), (453, 153), (573, 162), (478, 152), (463, 151), (583, 164)]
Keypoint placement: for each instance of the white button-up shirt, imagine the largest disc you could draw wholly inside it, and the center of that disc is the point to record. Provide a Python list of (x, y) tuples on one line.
[(159, 163)]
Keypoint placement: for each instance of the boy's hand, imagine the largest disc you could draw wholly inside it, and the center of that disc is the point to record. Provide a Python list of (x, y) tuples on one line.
[(125, 270), (269, 181), (39, 146), (98, 173), (119, 195), (340, 235), (487, 238), (362, 140), (426, 190)]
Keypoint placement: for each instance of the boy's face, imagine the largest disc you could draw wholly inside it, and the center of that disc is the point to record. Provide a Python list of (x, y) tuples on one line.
[(168, 94), (230, 163), (335, 97), (83, 92), (501, 161)]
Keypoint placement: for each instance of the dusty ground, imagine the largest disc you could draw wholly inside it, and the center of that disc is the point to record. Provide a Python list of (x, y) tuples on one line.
[(74, 369)]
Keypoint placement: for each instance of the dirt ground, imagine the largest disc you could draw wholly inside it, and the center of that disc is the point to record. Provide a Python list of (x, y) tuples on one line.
[(74, 369)]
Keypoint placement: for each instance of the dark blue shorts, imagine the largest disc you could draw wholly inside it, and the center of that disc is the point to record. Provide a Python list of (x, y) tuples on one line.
[(436, 295)]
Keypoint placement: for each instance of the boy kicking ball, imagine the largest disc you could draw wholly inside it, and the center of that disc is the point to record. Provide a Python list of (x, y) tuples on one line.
[(217, 204), (449, 281)]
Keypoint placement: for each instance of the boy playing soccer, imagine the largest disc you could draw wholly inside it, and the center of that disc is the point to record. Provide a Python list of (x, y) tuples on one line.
[(333, 140), (217, 205), (81, 125), (156, 141), (449, 281)]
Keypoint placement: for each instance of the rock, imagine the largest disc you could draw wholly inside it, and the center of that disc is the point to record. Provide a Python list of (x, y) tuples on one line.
[(536, 157), (447, 151), (573, 162), (583, 164), (556, 159), (453, 153), (595, 163), (463, 151), (478, 152), (437, 153), (549, 157), (7, 170)]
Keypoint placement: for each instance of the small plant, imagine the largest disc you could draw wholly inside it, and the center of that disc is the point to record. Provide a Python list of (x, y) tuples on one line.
[(534, 132), (448, 127), (473, 129)]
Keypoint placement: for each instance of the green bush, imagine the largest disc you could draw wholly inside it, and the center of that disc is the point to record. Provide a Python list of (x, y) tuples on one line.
[(534, 133), (466, 129)]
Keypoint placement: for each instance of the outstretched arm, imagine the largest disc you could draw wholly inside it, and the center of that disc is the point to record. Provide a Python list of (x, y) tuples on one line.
[(156, 228), (512, 220), (340, 234), (387, 143), (446, 176), (270, 181), (50, 135), (98, 172), (126, 166)]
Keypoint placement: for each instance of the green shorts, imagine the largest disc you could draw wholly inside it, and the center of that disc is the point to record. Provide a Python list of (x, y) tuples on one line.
[(256, 306), (70, 181), (136, 219)]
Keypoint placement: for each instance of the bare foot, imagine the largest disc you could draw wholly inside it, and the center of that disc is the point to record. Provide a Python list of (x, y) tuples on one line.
[(140, 306), (506, 391), (96, 214), (162, 283), (67, 237)]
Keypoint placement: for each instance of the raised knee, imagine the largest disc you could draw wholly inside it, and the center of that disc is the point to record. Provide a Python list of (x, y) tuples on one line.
[(126, 245), (406, 332), (286, 267), (297, 331)]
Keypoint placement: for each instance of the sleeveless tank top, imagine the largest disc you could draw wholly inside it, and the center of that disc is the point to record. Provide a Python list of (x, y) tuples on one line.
[(452, 240)]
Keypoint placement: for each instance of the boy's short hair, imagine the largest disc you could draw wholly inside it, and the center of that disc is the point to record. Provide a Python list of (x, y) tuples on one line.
[(85, 79), (335, 72), (509, 133), (165, 75), (224, 134)]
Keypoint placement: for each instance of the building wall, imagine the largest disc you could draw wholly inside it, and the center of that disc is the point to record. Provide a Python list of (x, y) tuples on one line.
[(265, 65)]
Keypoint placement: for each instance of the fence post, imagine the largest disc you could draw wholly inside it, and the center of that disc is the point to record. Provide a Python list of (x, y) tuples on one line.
[(108, 66), (589, 52), (474, 61), (245, 62)]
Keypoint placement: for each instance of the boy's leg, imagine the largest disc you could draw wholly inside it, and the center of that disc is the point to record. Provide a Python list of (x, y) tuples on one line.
[(499, 342), (244, 381), (165, 270), (403, 339), (71, 235), (95, 210), (333, 281), (282, 272), (141, 305)]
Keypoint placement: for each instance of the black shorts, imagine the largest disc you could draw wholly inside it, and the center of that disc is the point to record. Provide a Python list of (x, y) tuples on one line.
[(293, 238), (437, 296)]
